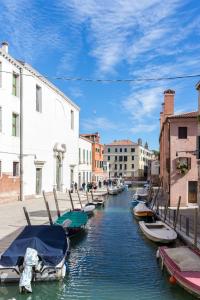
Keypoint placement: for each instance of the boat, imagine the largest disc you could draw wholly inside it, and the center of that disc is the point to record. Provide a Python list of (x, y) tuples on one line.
[(136, 202), (140, 193), (158, 232), (113, 190), (38, 252), (183, 264), (89, 209), (141, 211), (73, 222)]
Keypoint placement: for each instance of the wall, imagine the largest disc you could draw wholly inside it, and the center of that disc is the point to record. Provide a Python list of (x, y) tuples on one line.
[(85, 166)]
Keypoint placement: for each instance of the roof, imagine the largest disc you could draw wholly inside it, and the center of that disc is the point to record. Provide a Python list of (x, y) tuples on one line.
[(85, 139), (122, 143), (20, 64), (192, 114)]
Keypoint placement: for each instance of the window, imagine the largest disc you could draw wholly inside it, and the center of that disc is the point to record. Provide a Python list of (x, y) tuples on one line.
[(198, 147), (15, 168), (182, 132), (120, 158), (0, 119), (115, 167), (120, 149), (115, 174), (132, 157), (115, 149), (125, 158), (87, 157), (108, 157), (132, 149), (72, 119), (83, 155), (15, 124), (38, 98), (108, 149), (115, 158), (125, 166), (79, 154), (120, 166), (125, 149), (15, 84), (132, 166)]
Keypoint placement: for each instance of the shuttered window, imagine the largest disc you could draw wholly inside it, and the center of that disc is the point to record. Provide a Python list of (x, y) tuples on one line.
[(15, 124), (182, 132)]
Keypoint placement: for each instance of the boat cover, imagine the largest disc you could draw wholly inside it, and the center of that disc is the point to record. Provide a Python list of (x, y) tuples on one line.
[(49, 241), (77, 218)]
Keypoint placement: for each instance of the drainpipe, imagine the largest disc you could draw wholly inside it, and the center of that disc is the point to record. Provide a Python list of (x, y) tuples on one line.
[(169, 175), (21, 196)]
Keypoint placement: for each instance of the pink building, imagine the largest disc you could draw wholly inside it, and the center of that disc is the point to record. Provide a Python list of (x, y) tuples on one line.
[(178, 163)]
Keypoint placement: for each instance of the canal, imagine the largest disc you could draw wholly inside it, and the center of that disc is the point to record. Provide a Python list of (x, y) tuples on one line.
[(113, 261)]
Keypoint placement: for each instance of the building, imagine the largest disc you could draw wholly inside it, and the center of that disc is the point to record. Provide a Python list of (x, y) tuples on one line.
[(178, 164), (50, 132), (97, 156), (85, 161), (127, 159), (198, 141)]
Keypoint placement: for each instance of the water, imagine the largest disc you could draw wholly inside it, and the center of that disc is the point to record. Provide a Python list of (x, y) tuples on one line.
[(113, 261)]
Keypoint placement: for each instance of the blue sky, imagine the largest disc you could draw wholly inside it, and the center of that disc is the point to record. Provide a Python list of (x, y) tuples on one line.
[(110, 39)]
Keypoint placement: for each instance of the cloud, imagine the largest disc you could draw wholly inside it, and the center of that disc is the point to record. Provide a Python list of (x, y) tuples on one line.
[(98, 123), (144, 128)]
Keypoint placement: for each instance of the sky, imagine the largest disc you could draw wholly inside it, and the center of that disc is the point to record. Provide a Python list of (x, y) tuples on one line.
[(111, 39)]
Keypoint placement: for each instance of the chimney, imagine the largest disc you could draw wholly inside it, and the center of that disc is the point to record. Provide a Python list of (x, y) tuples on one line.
[(4, 47), (168, 103)]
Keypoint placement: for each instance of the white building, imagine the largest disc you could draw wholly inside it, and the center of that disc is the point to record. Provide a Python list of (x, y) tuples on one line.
[(50, 131), (127, 159), (85, 161)]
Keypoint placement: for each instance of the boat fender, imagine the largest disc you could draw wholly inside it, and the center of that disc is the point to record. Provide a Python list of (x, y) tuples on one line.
[(172, 279), (158, 254)]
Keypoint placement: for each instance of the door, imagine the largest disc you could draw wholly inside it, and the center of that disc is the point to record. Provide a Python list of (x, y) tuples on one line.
[(192, 191), (38, 181)]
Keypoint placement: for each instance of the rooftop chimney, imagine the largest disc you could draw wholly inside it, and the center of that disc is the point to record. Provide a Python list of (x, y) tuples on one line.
[(4, 47), (168, 103)]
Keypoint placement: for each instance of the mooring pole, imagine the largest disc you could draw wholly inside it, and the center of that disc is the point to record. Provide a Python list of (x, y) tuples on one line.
[(47, 208), (56, 202), (166, 209), (70, 197), (177, 212), (26, 216), (79, 198), (195, 226)]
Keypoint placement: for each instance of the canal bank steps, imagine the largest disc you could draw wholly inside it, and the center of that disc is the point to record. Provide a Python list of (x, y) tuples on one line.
[(12, 218)]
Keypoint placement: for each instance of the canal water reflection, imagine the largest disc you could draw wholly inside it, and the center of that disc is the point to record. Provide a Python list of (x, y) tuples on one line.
[(113, 261)]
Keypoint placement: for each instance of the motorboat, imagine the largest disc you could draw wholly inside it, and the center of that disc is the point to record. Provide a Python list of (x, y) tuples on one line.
[(158, 232), (74, 222), (142, 211), (183, 264), (89, 209), (136, 202), (140, 193), (113, 190), (39, 252)]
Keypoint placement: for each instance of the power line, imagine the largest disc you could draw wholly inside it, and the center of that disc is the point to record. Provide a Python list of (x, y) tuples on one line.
[(110, 80)]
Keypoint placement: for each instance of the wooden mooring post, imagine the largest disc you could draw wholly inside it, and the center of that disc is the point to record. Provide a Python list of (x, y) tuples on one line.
[(195, 226), (79, 198), (47, 207), (177, 212), (70, 197), (87, 196), (92, 196), (26, 216), (56, 202), (166, 210)]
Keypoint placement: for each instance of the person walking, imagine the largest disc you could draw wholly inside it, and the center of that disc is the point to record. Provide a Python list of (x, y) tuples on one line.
[(75, 186)]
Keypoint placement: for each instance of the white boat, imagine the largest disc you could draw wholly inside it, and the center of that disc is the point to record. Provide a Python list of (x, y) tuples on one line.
[(140, 193), (158, 232), (89, 209), (113, 190), (141, 211)]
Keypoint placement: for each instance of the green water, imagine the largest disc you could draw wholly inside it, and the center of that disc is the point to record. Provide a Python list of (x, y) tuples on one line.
[(113, 261)]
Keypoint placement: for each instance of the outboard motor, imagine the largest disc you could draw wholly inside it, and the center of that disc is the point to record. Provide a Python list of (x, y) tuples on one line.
[(31, 260)]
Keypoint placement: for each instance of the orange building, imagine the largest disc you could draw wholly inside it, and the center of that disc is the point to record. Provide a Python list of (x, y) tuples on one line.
[(97, 156)]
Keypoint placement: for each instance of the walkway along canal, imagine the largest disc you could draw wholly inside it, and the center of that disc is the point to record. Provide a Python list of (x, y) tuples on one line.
[(113, 261)]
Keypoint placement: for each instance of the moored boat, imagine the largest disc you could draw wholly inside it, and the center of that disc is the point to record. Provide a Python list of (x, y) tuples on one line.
[(89, 209), (136, 202), (183, 264), (113, 190), (142, 211), (158, 232), (140, 193), (73, 222), (38, 252)]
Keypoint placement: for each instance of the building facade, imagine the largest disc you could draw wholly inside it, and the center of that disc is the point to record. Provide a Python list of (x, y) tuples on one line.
[(127, 159), (50, 131), (178, 164), (85, 161), (198, 141), (97, 156)]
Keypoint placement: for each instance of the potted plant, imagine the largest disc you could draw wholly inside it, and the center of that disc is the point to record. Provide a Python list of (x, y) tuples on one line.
[(182, 167)]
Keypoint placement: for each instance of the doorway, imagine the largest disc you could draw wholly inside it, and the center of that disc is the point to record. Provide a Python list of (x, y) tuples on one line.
[(192, 191), (38, 188)]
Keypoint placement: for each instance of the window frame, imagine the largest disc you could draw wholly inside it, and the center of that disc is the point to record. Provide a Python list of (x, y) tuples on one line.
[(38, 103), (16, 125), (15, 169), (181, 134)]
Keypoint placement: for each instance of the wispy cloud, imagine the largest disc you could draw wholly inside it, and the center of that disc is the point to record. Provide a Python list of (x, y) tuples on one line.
[(98, 123)]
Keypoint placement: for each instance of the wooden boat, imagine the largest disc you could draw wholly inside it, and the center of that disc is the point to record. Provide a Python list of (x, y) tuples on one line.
[(38, 252), (183, 263), (141, 211), (73, 222), (136, 202), (158, 232)]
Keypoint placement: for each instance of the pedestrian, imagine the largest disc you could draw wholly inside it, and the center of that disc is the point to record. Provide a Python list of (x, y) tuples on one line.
[(72, 187), (83, 186), (75, 186)]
